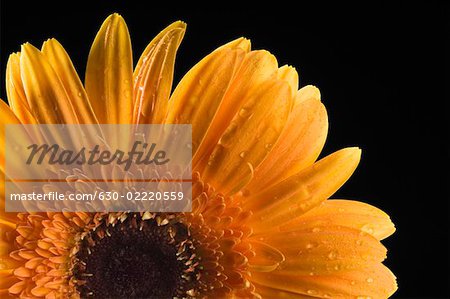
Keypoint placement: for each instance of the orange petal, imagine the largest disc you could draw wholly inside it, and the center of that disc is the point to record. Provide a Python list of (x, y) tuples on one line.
[(6, 273), (244, 144), (325, 250), (257, 67), (290, 75), (44, 90), (33, 263), (6, 117), (61, 63), (109, 73), (349, 213), (6, 247), (374, 281), (267, 292), (15, 91), (23, 272), (199, 94), (153, 75), (40, 291), (18, 287), (300, 193), (300, 142)]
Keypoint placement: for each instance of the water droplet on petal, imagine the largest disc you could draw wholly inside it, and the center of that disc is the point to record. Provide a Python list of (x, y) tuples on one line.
[(332, 255), (370, 280), (311, 292), (242, 154), (267, 258), (310, 245), (244, 113), (368, 229), (227, 138), (316, 230)]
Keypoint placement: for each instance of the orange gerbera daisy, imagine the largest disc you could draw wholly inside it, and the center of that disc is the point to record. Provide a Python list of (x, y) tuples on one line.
[(261, 224)]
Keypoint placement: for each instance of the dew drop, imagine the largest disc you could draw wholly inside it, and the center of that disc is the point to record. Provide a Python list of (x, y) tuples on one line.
[(367, 229), (352, 282), (227, 138), (311, 273), (369, 280), (316, 230), (80, 94), (311, 292), (268, 146), (244, 113), (359, 242), (310, 245), (242, 154), (332, 255)]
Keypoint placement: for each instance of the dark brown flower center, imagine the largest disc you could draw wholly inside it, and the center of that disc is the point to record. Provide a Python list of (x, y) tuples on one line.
[(135, 257)]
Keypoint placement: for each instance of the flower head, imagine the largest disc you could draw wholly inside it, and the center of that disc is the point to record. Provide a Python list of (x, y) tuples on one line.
[(262, 223)]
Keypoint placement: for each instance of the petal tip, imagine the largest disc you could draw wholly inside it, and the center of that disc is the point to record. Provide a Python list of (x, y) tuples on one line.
[(114, 19), (27, 49), (180, 24), (309, 92), (239, 43)]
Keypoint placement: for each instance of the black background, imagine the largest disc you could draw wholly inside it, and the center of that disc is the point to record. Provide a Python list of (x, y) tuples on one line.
[(380, 68)]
